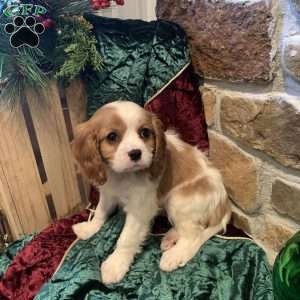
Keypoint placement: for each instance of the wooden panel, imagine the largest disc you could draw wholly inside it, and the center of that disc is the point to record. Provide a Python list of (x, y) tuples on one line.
[(54, 144), (38, 179), (22, 195), (76, 101), (76, 98), (7, 204)]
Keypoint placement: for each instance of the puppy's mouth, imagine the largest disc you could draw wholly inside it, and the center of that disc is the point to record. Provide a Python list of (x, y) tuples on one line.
[(130, 168), (135, 167)]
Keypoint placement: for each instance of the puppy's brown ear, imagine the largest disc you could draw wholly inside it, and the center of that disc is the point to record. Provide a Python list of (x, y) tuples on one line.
[(158, 161), (85, 149)]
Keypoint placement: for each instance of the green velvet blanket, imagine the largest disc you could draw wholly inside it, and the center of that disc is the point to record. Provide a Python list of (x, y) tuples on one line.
[(139, 59), (224, 269)]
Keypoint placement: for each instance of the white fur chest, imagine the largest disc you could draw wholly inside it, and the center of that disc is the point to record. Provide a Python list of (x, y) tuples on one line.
[(130, 189)]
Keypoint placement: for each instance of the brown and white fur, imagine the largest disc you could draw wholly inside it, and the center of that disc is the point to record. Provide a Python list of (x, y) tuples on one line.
[(124, 150)]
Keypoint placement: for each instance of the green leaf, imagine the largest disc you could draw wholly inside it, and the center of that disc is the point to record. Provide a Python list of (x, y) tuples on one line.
[(291, 251), (80, 49)]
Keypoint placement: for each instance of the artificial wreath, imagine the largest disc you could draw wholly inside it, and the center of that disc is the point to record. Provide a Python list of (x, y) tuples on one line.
[(66, 47)]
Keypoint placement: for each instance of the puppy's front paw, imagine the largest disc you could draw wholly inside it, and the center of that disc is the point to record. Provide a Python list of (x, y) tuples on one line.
[(169, 240), (85, 230), (114, 268), (172, 259)]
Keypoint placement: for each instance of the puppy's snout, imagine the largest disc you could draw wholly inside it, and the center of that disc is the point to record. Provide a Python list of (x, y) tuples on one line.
[(135, 154)]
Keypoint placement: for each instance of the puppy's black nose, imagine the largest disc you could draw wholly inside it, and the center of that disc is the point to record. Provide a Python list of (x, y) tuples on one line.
[(135, 154)]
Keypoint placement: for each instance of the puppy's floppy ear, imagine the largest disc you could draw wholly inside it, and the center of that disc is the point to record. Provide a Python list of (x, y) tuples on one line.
[(85, 149), (158, 161)]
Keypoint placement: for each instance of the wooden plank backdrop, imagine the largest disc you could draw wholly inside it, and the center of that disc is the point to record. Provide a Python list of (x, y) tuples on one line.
[(39, 181)]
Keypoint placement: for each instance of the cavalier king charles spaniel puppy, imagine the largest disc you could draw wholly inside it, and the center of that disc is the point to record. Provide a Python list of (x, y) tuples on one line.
[(125, 152)]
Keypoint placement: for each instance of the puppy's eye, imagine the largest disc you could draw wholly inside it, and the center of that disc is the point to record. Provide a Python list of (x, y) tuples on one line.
[(144, 133), (112, 137)]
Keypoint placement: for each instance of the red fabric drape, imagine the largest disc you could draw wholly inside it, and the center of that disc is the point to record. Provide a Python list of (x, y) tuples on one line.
[(37, 261), (179, 106)]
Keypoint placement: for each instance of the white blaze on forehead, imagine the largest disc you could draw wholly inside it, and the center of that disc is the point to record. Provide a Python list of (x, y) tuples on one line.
[(129, 112)]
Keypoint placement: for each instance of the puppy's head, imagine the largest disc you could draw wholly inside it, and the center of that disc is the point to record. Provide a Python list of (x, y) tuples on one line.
[(121, 136)]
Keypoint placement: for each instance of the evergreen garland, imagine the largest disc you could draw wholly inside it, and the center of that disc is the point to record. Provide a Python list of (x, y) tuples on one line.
[(79, 46), (22, 71), (19, 67), (62, 56)]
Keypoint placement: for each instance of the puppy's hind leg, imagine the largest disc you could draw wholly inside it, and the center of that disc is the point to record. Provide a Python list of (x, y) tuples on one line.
[(185, 249), (191, 238), (199, 211)]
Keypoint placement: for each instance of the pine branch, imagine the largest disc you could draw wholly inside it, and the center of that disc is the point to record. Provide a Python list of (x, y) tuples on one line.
[(80, 49), (21, 71)]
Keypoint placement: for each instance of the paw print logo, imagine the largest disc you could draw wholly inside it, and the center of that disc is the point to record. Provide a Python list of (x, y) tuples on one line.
[(24, 32)]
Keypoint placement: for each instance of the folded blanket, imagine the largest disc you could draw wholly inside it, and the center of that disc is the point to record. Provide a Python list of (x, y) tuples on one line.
[(223, 269)]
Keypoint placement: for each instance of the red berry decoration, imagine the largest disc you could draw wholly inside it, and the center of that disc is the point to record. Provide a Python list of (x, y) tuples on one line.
[(95, 4), (104, 3), (48, 23), (120, 2)]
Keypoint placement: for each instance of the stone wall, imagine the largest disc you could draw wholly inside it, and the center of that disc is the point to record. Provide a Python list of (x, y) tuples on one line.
[(248, 51)]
